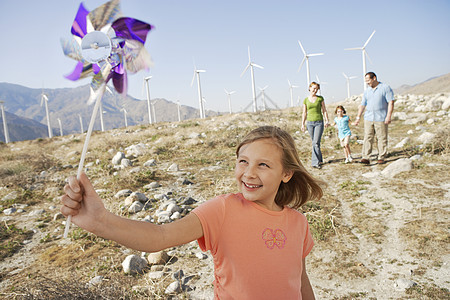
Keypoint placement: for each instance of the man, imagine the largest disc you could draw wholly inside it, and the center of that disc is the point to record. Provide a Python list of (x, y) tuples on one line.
[(378, 103)]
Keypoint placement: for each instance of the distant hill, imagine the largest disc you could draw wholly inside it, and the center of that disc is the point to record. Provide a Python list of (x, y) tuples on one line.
[(440, 84), (20, 128), (70, 103)]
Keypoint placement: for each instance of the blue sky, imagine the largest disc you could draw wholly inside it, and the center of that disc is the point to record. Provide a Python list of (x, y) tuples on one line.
[(411, 44)]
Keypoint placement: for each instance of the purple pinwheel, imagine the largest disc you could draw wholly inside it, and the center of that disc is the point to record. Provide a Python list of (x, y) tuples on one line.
[(122, 49)]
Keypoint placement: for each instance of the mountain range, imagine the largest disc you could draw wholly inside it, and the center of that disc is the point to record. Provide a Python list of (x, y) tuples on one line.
[(26, 117)]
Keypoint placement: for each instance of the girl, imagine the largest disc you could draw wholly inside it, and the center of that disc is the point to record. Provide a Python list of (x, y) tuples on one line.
[(341, 122), (258, 239), (314, 111)]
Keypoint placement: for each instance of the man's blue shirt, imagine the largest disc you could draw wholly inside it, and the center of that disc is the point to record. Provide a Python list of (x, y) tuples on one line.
[(376, 102)]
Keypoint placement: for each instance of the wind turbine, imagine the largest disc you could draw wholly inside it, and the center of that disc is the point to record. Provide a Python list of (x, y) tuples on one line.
[(146, 79), (348, 83), (60, 127), (320, 83), (44, 101), (251, 65), (125, 116), (5, 125), (81, 123), (229, 99), (178, 109), (263, 95), (364, 54), (200, 98), (306, 58), (291, 87)]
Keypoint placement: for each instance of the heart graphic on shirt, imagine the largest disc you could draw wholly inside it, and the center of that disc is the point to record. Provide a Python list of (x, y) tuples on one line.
[(274, 238)]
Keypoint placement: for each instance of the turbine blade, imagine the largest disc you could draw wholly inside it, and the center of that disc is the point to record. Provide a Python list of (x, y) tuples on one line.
[(368, 40), (303, 61), (245, 70), (258, 66), (367, 54), (358, 48), (353, 77), (304, 52), (249, 59), (289, 82), (193, 78), (316, 54), (231, 93), (225, 91), (345, 75), (201, 71)]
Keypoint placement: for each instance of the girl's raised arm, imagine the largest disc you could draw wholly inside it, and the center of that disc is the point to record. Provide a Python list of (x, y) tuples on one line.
[(88, 212)]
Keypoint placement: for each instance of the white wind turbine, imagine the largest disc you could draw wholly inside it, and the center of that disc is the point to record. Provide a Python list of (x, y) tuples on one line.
[(306, 58), (229, 99), (263, 96), (81, 123), (146, 79), (364, 54), (291, 87), (44, 101), (179, 110), (60, 127), (125, 116), (200, 98), (348, 83), (320, 83), (251, 65), (5, 125)]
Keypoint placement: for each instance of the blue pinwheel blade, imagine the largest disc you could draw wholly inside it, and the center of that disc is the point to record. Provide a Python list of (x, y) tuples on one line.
[(79, 26)]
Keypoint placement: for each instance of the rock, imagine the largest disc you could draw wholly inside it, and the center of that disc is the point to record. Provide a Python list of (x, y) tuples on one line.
[(158, 258), (426, 138), (9, 211), (201, 255), (135, 207), (402, 144), (123, 193), (400, 115), (125, 162), (174, 287), (95, 281), (150, 163), (134, 264), (446, 104), (419, 118), (136, 150), (173, 168), (155, 275), (403, 284), (118, 158), (172, 207), (11, 196), (399, 166)]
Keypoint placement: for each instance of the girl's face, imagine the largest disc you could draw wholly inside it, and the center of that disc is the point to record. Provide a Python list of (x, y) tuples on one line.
[(259, 172), (340, 112)]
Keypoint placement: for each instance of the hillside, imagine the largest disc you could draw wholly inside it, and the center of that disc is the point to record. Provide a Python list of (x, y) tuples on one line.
[(428, 87), (20, 128), (380, 231)]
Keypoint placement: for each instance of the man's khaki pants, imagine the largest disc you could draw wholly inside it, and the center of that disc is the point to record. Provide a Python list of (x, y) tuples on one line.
[(372, 129)]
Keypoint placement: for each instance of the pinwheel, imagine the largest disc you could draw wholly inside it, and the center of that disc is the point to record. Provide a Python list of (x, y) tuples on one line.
[(106, 46)]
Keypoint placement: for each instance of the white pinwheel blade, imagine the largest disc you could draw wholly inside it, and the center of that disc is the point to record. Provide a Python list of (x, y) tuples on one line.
[(368, 40), (303, 61), (304, 52)]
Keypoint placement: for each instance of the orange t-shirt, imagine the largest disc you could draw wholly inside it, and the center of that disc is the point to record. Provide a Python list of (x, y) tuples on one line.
[(257, 253)]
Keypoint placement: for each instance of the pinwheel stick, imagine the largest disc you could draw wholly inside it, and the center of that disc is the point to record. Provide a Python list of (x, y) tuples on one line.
[(86, 143)]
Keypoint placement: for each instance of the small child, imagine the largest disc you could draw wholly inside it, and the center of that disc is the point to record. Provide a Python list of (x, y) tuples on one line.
[(257, 237), (344, 133)]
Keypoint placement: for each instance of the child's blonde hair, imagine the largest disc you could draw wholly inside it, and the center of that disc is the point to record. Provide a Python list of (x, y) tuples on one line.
[(302, 186)]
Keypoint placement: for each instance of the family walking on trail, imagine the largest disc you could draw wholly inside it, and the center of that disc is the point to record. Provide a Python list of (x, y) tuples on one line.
[(377, 105)]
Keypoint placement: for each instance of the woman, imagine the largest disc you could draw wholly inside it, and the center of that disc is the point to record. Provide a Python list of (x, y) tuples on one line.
[(314, 111)]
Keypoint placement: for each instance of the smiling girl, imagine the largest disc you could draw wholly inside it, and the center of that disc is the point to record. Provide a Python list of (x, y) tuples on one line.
[(257, 237)]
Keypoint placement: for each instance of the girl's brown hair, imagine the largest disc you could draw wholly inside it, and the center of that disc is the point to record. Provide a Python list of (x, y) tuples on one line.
[(340, 107), (302, 187)]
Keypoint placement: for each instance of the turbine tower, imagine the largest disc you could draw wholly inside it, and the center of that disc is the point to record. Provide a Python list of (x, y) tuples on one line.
[(306, 58), (5, 125), (200, 98), (291, 87), (44, 101), (229, 99), (150, 120), (251, 65), (81, 123), (364, 54), (320, 83), (178, 109), (60, 127), (125, 116), (263, 96), (348, 83)]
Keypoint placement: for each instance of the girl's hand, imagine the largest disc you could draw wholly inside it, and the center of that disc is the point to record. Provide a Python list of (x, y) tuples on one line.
[(83, 203), (303, 127)]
